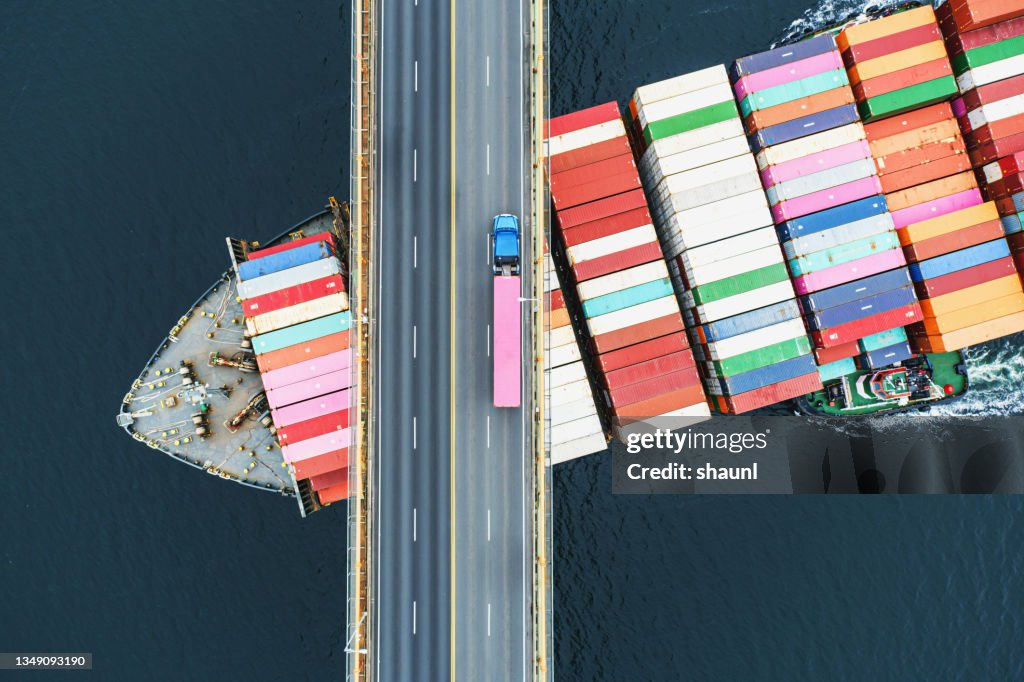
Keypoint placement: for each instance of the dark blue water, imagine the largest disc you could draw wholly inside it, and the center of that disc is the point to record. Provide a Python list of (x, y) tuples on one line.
[(133, 138), (769, 588)]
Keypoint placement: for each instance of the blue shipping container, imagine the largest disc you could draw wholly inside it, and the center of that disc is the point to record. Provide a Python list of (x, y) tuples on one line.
[(1011, 223), (301, 333), (959, 260), (832, 217), (803, 126), (1018, 201), (889, 355), (749, 321), (782, 55), (839, 368), (843, 234), (765, 376), (851, 291), (889, 337), (865, 307), (283, 260), (625, 298)]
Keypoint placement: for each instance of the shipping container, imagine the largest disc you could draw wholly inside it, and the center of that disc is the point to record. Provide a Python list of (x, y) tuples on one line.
[(775, 393), (333, 362), (660, 404), (621, 319), (714, 152), (812, 123), (578, 409), (954, 241), (814, 143), (844, 234), (640, 352), (333, 494), (990, 73), (823, 180), (579, 428), (855, 291), (827, 198), (798, 109), (726, 249), (688, 82), (297, 314), (581, 175), (918, 156), (764, 376), (933, 75), (727, 268), (627, 298), (938, 168), (967, 15), (619, 260), (787, 73), (890, 355), (787, 92), (891, 42), (759, 357), (335, 460), (583, 156), (837, 216), (911, 56), (684, 103), (749, 321), (825, 356), (934, 208), (858, 34), (315, 426), (959, 260), (309, 388), (651, 388), (748, 281), (289, 278), (970, 336), (602, 208), (638, 332), (295, 413), (648, 369), (834, 370), (585, 118), (857, 329), (973, 315), (865, 307), (988, 54), (889, 337), (815, 163), (962, 279), (333, 479), (599, 246), (847, 272), (300, 293), (781, 56), (623, 279), (844, 253), (318, 445), (293, 244), (284, 260), (741, 303), (315, 348), (301, 333), (759, 338), (585, 137)]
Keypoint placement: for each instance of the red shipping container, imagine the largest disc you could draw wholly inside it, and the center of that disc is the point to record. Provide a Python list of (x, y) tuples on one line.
[(578, 120), (824, 356), (989, 132), (594, 171), (330, 479), (773, 393), (894, 42), (655, 367), (556, 300), (594, 190), (316, 348), (620, 260), (1006, 186), (317, 426), (919, 156), (333, 494), (920, 174), (901, 123), (904, 78), (294, 244), (957, 42), (660, 404), (858, 329), (972, 14), (649, 388), (602, 208), (993, 92), (300, 293), (588, 232), (987, 152), (321, 464), (559, 163), (637, 333), (638, 353), (1012, 164), (961, 279), (953, 241)]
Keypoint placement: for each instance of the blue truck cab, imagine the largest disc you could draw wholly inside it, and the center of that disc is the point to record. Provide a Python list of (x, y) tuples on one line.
[(505, 240)]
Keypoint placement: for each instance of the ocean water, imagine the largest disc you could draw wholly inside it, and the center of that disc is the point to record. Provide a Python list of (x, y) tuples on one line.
[(731, 588)]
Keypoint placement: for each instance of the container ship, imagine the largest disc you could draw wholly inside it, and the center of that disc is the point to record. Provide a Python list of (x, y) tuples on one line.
[(824, 225), (251, 383)]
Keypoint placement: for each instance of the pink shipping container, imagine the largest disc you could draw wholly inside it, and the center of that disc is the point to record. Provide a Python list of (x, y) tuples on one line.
[(309, 409), (507, 342), (805, 165), (308, 369), (310, 388), (787, 73), (328, 442), (847, 272), (936, 207), (826, 198)]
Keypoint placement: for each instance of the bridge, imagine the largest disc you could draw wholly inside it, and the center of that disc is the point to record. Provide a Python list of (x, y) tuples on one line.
[(448, 541)]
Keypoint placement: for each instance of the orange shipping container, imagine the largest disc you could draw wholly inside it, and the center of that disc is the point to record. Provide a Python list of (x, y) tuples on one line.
[(919, 118), (919, 156), (975, 315), (972, 14), (938, 168), (913, 137), (890, 63), (953, 241), (904, 78), (661, 404), (871, 30), (558, 318), (950, 222), (969, 336), (316, 348), (805, 106), (931, 191), (967, 298)]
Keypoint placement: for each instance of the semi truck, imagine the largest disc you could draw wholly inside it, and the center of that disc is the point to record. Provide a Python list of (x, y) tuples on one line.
[(507, 322)]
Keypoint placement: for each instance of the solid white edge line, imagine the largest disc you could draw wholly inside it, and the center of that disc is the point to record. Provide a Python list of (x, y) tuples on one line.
[(488, 340)]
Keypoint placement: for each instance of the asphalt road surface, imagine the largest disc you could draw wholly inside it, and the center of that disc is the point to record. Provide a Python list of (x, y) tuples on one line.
[(425, 618)]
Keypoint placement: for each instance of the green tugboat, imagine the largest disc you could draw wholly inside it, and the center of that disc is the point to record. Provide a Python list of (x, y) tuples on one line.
[(912, 384)]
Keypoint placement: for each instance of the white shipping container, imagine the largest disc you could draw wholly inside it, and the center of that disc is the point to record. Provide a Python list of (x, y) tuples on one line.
[(676, 419), (559, 336), (568, 412), (733, 246), (822, 180), (563, 452), (741, 303), (559, 376), (996, 111), (699, 157), (623, 279), (759, 338), (992, 171), (685, 103), (564, 354), (282, 279), (651, 310), (613, 243), (688, 82), (812, 144), (579, 428), (569, 393), (710, 194), (693, 236), (842, 234), (297, 314), (585, 137), (690, 140), (990, 73), (710, 174), (709, 214), (730, 267)]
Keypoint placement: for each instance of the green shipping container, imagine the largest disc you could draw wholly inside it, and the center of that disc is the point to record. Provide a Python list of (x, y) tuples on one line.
[(905, 99), (748, 281), (762, 357), (844, 253), (987, 54), (787, 92), (691, 120)]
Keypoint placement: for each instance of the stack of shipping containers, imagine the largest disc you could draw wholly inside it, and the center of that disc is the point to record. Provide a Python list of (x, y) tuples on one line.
[(575, 429), (716, 233), (986, 45), (839, 240), (296, 311), (618, 281)]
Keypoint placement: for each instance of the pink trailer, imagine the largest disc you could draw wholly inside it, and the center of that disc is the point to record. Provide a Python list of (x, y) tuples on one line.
[(311, 447), (307, 369), (507, 342), (310, 388), (310, 409)]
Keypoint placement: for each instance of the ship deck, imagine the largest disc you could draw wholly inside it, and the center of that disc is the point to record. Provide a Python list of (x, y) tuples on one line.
[(159, 408)]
